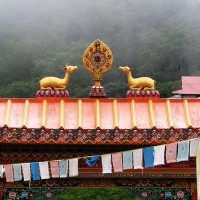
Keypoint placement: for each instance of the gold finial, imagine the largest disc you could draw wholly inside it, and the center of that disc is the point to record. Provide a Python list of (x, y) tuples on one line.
[(97, 58)]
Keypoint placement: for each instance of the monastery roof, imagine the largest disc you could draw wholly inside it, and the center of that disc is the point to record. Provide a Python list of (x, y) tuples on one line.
[(190, 85), (104, 113)]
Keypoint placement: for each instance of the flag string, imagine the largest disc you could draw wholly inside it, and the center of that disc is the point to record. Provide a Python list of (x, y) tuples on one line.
[(138, 158), (86, 157)]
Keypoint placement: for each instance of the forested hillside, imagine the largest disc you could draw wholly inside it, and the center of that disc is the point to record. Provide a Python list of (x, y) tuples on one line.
[(160, 39)]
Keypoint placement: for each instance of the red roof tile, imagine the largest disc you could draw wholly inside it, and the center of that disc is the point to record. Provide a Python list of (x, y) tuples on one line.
[(141, 113)]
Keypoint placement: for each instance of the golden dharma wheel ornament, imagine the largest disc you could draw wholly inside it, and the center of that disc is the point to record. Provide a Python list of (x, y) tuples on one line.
[(98, 59)]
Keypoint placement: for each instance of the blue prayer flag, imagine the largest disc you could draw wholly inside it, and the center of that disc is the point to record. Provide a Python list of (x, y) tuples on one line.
[(17, 172), (63, 165), (148, 156), (35, 170), (127, 159), (92, 160), (183, 151)]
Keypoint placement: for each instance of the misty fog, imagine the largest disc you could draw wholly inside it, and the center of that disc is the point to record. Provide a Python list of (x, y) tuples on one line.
[(155, 37)]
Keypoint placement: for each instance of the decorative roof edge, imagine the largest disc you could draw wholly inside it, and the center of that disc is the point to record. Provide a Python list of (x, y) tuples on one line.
[(96, 136)]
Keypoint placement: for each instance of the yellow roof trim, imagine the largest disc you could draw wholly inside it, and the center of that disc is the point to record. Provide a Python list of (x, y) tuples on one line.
[(152, 119), (169, 114), (133, 117), (115, 114), (8, 112), (62, 113), (187, 114), (44, 113), (97, 114), (26, 114), (80, 113)]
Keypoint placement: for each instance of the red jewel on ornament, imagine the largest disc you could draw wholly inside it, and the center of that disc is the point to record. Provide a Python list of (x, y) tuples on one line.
[(104, 49)]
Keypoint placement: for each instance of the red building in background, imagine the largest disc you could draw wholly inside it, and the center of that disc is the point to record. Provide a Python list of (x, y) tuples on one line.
[(190, 87)]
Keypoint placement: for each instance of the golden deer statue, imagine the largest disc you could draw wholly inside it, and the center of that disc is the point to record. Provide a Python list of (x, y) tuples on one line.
[(142, 83), (54, 83)]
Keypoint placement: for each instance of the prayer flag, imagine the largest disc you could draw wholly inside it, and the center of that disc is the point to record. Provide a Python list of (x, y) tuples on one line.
[(63, 164), (148, 156), (171, 152), (2, 170), (35, 171), (127, 159), (26, 171), (44, 170), (183, 151), (54, 169), (9, 173), (17, 170), (92, 160), (138, 159), (193, 147), (159, 155), (106, 163), (73, 167), (117, 162)]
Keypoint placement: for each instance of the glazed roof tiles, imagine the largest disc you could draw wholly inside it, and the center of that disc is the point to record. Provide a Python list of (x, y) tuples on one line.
[(122, 113)]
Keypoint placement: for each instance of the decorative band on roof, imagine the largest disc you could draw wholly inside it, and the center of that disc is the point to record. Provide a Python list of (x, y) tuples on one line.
[(96, 136)]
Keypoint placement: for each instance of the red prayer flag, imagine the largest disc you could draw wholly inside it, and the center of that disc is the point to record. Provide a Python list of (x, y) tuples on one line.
[(9, 173), (117, 162), (171, 152), (54, 169)]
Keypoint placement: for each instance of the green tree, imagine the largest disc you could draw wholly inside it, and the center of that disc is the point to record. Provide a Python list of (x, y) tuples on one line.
[(97, 194)]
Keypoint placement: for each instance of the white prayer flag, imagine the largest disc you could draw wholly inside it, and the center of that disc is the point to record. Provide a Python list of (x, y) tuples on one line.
[(73, 167), (138, 159), (106, 163), (26, 171), (44, 170), (193, 147), (159, 155), (2, 170)]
